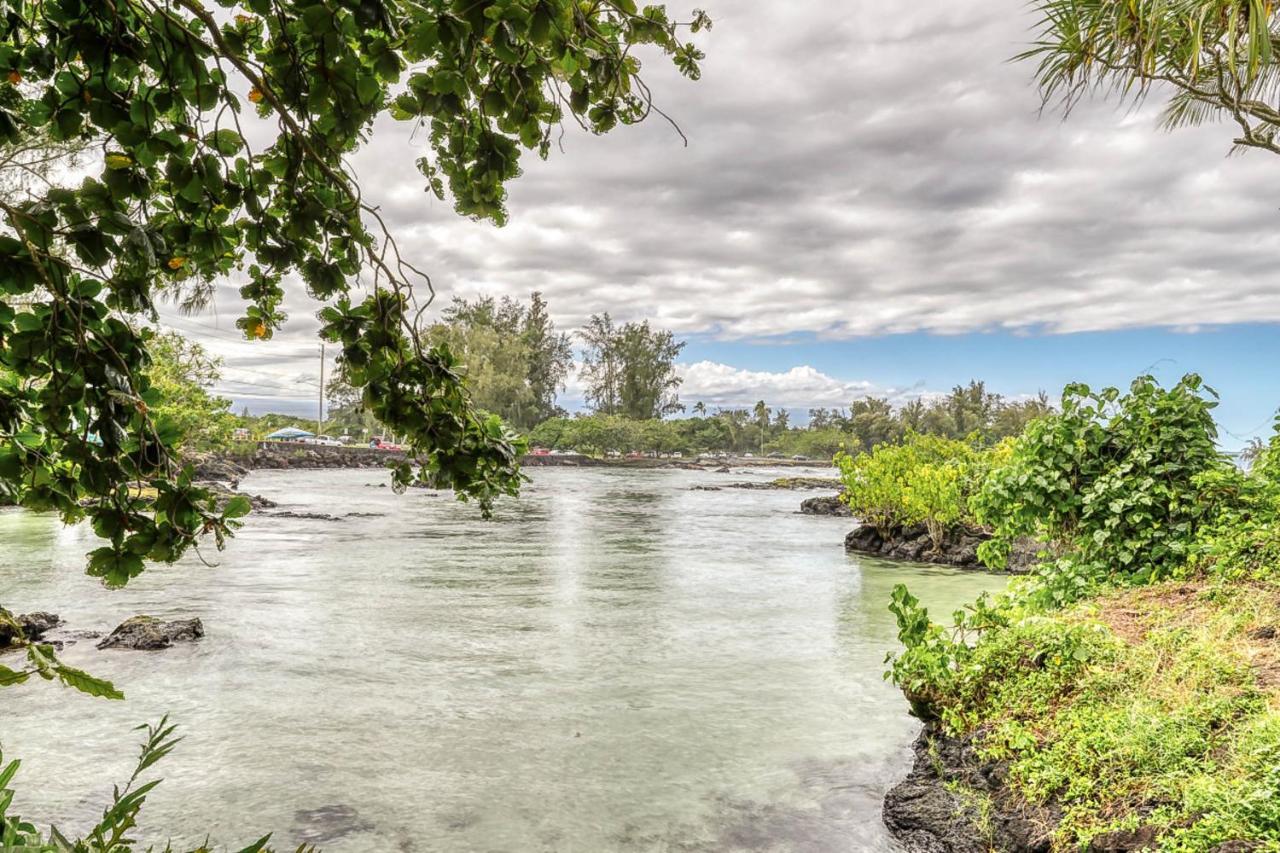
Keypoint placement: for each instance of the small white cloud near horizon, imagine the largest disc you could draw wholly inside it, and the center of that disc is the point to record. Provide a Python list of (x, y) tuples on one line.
[(720, 385), (801, 387)]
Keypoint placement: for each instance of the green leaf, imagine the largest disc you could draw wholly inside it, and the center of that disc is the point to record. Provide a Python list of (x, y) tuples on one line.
[(86, 683), (9, 677), (237, 507), (225, 141)]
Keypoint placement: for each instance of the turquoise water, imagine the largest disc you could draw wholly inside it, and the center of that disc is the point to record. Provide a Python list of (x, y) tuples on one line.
[(616, 663)]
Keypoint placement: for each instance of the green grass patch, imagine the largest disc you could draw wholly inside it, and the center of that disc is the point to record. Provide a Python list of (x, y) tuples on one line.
[(1152, 707)]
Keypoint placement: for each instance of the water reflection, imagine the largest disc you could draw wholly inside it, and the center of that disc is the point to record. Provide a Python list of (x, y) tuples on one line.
[(616, 663)]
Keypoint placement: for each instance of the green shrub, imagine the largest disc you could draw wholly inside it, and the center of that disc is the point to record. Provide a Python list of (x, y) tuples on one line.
[(924, 479), (1243, 538), (1112, 480), (934, 495)]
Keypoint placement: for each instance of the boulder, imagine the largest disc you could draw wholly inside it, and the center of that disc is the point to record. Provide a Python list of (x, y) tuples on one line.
[(148, 633), (1023, 555), (832, 505), (864, 539), (33, 625)]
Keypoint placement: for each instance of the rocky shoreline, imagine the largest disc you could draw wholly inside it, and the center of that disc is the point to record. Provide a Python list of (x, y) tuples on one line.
[(959, 547), (955, 802)]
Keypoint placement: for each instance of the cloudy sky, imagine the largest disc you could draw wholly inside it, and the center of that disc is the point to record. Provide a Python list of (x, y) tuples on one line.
[(870, 202)]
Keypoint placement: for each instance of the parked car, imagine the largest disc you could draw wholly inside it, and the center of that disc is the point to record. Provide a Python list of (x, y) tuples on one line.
[(800, 457), (776, 455), (322, 440), (748, 456), (540, 451), (380, 443)]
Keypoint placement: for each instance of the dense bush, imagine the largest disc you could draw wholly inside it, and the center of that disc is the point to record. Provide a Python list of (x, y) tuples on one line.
[(925, 479), (1242, 540), (1114, 481)]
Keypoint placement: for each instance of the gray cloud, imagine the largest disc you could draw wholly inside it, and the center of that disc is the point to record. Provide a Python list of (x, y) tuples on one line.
[(860, 168)]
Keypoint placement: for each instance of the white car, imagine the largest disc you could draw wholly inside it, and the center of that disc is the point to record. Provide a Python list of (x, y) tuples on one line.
[(323, 441)]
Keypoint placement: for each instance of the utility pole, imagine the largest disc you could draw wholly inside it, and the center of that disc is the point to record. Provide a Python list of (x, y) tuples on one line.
[(320, 410)]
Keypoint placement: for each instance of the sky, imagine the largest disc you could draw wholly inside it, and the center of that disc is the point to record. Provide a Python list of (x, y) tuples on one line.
[(871, 201)]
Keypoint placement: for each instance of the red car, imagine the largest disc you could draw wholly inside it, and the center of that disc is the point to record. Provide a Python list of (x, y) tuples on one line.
[(380, 443)]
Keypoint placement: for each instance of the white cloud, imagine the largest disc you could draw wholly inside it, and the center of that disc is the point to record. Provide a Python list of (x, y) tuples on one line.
[(801, 387)]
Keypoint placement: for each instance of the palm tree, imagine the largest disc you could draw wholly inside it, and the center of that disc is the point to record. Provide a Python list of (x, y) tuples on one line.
[(700, 409), (1252, 452), (1217, 56), (762, 420)]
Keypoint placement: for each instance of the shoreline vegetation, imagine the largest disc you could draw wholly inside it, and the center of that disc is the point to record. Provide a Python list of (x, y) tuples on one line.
[(1125, 694)]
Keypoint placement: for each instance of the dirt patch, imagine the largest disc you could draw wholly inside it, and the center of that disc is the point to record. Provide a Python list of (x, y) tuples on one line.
[(1133, 613)]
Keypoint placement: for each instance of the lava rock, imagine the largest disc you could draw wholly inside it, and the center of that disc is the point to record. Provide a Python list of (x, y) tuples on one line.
[(147, 633), (32, 625), (218, 469), (826, 506), (1124, 840), (928, 813), (959, 546)]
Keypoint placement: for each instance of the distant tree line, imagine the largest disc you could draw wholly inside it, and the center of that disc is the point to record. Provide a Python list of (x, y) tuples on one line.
[(516, 364), (969, 412)]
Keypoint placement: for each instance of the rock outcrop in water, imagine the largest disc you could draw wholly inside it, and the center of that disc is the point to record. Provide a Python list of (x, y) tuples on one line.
[(959, 547), (147, 633), (33, 626), (824, 505), (793, 483), (955, 802)]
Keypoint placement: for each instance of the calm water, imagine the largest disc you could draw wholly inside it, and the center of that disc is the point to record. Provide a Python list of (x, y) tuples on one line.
[(618, 663)]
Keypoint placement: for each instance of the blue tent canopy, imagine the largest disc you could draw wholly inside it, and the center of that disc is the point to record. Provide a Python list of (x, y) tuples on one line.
[(290, 432)]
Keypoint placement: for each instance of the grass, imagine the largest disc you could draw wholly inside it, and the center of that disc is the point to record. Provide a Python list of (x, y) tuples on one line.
[(1156, 707)]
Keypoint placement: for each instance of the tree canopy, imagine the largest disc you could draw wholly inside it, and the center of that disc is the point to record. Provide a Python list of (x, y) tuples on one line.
[(223, 140), (514, 360), (630, 369)]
